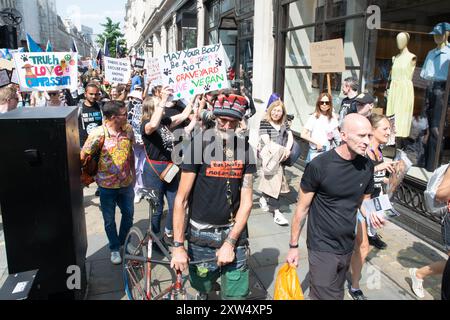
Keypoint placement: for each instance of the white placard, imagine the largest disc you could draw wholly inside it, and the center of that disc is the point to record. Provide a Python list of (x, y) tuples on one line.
[(194, 71), (153, 73), (46, 71), (117, 70)]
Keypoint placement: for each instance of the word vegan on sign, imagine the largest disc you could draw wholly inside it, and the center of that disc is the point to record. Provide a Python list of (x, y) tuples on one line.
[(194, 71), (117, 70), (44, 71)]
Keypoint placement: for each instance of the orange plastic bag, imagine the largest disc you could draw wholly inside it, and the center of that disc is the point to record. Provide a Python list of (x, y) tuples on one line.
[(287, 285)]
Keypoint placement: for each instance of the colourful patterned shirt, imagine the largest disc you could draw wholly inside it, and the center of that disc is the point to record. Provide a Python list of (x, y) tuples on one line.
[(115, 167)]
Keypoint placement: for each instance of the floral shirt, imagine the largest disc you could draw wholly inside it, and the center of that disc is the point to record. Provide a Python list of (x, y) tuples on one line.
[(115, 167)]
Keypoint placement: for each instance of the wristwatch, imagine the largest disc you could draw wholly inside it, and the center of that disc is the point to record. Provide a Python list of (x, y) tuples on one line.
[(177, 244), (293, 247)]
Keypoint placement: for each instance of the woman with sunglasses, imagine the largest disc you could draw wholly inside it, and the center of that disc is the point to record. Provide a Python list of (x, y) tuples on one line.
[(321, 129)]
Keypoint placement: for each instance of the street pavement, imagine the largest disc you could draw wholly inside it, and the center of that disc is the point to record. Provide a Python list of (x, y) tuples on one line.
[(385, 275)]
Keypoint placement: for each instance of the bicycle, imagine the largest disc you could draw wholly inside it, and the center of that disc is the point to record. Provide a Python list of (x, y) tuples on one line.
[(142, 273)]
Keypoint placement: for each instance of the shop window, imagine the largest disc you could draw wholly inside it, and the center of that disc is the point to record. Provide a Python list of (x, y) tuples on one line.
[(352, 33), (244, 7), (226, 5), (246, 62), (302, 13), (417, 98), (189, 38), (213, 14), (213, 37), (298, 46), (340, 8)]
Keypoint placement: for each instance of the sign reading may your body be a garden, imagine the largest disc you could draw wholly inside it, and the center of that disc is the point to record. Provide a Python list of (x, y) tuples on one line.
[(45, 71), (194, 71)]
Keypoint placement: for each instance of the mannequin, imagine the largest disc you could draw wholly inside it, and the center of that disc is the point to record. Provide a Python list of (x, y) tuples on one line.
[(435, 70), (401, 93)]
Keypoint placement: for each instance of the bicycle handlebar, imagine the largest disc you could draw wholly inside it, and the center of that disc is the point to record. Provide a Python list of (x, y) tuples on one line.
[(143, 259)]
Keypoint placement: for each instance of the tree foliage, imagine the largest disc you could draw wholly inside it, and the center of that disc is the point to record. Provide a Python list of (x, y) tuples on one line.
[(111, 34)]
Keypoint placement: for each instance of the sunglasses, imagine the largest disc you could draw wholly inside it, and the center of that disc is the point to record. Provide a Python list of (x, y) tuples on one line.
[(53, 94), (325, 102)]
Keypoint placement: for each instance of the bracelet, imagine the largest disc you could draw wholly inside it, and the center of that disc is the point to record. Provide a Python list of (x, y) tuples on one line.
[(293, 247), (231, 241)]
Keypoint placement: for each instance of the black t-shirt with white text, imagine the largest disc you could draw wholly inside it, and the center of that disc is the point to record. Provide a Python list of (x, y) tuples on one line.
[(208, 202), (339, 186), (90, 118)]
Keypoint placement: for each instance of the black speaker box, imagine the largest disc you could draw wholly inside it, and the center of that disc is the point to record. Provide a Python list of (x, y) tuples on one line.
[(42, 199)]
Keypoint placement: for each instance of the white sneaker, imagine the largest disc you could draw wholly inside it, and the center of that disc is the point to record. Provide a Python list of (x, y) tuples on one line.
[(115, 257), (137, 198), (263, 204), (417, 284), (279, 219)]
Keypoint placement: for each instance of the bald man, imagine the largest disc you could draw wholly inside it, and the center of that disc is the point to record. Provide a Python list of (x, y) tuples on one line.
[(332, 189)]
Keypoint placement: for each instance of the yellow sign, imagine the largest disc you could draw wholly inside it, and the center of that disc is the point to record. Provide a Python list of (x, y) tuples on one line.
[(327, 56)]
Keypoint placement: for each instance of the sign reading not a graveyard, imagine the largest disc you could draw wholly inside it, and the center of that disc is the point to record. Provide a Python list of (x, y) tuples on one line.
[(327, 56), (194, 71), (117, 70)]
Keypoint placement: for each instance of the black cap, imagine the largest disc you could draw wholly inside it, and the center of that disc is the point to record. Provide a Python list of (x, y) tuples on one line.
[(364, 98)]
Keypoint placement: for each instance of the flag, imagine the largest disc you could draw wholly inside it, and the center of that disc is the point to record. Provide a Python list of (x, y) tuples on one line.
[(99, 59), (118, 53), (49, 47), (32, 45), (5, 54), (106, 49), (74, 46)]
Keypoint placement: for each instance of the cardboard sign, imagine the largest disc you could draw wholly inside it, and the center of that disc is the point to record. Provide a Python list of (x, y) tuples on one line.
[(4, 78), (139, 63), (153, 73), (327, 56), (117, 70), (47, 71), (194, 71)]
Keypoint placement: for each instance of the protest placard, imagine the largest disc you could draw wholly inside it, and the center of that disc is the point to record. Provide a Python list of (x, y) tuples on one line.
[(154, 73), (4, 78), (327, 56), (139, 63), (194, 71), (117, 70), (45, 71)]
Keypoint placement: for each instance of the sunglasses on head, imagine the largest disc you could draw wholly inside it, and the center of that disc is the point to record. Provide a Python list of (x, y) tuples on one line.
[(53, 93)]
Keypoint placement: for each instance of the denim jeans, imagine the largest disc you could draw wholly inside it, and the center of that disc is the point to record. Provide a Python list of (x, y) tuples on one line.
[(152, 181), (123, 198)]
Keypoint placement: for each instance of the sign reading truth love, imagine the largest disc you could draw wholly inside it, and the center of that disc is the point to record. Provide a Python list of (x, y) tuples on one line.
[(47, 71), (194, 71)]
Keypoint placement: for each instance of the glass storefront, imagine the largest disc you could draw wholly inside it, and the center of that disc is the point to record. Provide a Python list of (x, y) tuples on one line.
[(231, 22), (369, 57)]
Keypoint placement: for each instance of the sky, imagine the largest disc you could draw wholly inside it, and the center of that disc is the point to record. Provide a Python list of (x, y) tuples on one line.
[(92, 13)]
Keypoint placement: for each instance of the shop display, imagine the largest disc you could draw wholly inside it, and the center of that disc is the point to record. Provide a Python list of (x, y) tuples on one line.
[(400, 101)]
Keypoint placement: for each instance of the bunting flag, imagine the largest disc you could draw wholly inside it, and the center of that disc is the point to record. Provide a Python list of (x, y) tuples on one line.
[(49, 47), (5, 54), (32, 45)]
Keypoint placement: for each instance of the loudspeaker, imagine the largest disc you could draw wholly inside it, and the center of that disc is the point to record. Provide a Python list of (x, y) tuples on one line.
[(42, 199)]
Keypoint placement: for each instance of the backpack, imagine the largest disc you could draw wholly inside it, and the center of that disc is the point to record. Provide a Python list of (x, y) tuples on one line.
[(433, 206)]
